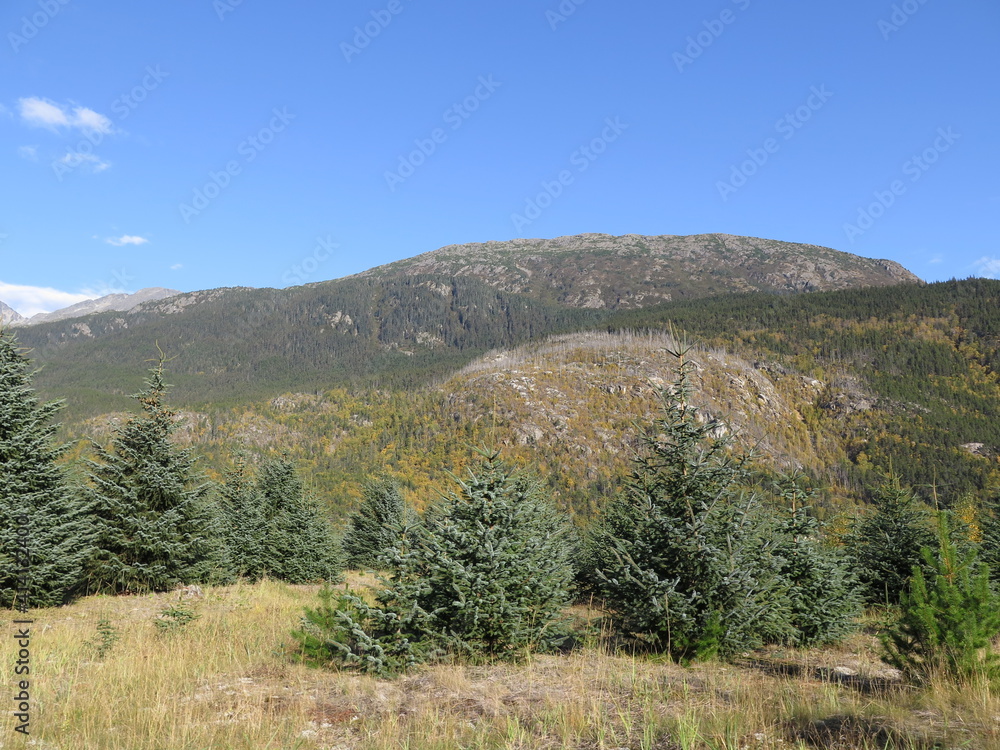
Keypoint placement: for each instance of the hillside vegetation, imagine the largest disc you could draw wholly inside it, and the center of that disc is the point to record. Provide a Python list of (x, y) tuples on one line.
[(840, 385), (225, 681)]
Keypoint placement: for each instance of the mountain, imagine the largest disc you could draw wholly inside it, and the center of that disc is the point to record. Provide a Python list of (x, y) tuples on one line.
[(243, 344), (840, 385), (417, 320), (405, 366), (9, 314), (608, 272), (117, 302)]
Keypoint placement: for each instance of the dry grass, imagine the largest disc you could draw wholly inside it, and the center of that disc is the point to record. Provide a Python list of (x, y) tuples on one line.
[(224, 682)]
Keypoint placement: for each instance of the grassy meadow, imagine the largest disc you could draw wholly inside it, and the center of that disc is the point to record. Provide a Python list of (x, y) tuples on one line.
[(225, 680)]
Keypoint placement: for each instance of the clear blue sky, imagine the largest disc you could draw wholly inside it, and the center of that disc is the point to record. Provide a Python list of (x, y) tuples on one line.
[(786, 120)]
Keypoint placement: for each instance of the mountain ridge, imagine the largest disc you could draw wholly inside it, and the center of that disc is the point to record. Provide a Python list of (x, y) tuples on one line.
[(116, 302), (611, 272)]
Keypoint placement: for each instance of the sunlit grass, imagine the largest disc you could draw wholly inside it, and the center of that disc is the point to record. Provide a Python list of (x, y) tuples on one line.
[(226, 681)]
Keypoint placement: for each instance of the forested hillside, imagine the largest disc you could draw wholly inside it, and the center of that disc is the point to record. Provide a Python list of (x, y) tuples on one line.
[(911, 371), (242, 345), (367, 373), (841, 385)]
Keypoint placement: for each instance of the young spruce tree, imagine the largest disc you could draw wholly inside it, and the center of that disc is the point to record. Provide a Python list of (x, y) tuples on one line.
[(685, 558), (374, 528), (44, 537), (155, 528), (822, 590), (485, 574), (242, 510), (886, 542), (298, 544)]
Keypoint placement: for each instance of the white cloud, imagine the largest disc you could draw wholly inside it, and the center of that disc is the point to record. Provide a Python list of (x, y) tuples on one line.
[(936, 259), (42, 113), (74, 159), (988, 268), (176, 266), (89, 120), (28, 152), (31, 300), (126, 239)]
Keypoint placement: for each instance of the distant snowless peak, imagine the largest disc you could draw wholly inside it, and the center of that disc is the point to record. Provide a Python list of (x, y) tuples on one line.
[(111, 302)]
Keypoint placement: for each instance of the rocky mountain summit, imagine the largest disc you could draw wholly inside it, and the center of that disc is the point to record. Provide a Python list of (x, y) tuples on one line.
[(9, 314), (604, 271)]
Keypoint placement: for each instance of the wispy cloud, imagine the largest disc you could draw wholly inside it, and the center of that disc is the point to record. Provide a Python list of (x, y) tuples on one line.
[(74, 159), (176, 266), (31, 300), (42, 113), (988, 268), (126, 239), (28, 152)]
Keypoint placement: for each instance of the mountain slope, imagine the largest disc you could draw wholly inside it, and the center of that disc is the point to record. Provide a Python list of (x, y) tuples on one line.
[(603, 271), (841, 384), (400, 325), (244, 344), (9, 314)]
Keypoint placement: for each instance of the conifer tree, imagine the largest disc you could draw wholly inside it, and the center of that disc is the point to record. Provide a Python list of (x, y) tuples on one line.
[(245, 525), (298, 545), (486, 573), (822, 590), (949, 617), (989, 542), (44, 537), (374, 528), (155, 527), (885, 542), (685, 558)]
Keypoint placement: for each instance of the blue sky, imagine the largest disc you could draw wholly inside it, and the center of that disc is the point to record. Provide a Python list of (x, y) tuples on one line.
[(204, 143)]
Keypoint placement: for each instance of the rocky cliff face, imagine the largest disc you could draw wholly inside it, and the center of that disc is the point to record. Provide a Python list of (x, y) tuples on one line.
[(604, 271), (9, 314)]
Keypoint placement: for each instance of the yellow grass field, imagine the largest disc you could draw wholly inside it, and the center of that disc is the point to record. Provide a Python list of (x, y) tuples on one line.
[(224, 681)]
